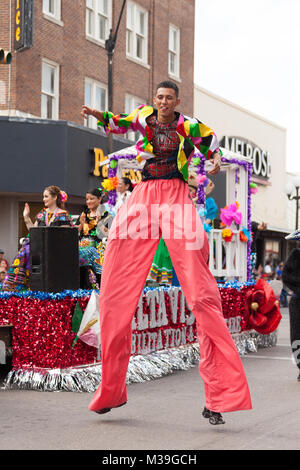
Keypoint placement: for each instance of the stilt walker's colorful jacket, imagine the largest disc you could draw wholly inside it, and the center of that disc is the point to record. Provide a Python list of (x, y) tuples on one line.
[(192, 133)]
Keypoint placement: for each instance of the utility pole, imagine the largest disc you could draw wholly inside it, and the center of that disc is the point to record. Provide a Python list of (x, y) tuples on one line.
[(289, 191), (110, 45)]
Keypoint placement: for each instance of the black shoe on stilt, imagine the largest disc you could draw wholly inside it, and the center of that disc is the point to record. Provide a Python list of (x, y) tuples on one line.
[(216, 418), (213, 417), (106, 410), (206, 413)]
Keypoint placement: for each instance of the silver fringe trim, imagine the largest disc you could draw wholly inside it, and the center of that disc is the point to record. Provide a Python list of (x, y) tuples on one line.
[(141, 368)]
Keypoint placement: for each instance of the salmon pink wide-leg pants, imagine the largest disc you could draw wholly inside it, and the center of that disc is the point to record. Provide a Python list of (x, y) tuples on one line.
[(164, 208)]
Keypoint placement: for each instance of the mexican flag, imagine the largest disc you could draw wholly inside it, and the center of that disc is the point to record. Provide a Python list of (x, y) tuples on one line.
[(86, 324)]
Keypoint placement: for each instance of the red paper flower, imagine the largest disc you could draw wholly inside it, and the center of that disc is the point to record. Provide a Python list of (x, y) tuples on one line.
[(262, 309)]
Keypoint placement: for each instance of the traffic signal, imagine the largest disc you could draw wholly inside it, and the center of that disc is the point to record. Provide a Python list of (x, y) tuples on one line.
[(5, 57)]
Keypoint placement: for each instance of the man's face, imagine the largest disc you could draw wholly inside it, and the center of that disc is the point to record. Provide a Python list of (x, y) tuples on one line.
[(166, 101), (2, 275)]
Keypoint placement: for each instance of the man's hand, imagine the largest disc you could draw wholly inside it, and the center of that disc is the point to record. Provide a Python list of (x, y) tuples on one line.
[(86, 112), (216, 161)]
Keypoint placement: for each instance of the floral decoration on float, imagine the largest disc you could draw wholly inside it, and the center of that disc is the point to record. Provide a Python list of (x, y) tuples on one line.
[(262, 310), (227, 234), (230, 214), (245, 235)]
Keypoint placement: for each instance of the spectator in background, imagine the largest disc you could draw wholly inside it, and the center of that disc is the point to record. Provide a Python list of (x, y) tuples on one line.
[(4, 264), (284, 291), (2, 276), (279, 269), (3, 261), (268, 271), (255, 227)]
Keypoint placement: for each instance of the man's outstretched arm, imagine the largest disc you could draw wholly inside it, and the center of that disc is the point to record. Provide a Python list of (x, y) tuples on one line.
[(118, 124)]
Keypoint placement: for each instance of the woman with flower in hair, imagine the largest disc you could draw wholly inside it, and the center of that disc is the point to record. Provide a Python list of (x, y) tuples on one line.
[(54, 215), (93, 226)]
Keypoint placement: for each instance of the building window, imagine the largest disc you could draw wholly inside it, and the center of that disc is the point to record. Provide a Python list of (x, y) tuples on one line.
[(131, 103), (95, 96), (137, 32), (50, 90), (2, 92), (174, 51), (52, 8), (98, 19)]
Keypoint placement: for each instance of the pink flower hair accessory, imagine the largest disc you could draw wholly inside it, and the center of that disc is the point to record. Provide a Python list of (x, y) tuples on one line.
[(64, 196)]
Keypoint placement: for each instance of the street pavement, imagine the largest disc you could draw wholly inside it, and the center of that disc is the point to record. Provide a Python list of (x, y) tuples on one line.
[(163, 414)]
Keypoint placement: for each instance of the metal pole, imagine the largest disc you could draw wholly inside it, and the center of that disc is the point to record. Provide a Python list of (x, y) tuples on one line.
[(297, 206), (110, 44), (110, 52)]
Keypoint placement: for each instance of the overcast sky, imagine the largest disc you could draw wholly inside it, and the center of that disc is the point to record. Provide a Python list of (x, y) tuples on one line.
[(248, 52)]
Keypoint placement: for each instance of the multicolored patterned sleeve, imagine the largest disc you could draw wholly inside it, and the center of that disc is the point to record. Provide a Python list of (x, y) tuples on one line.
[(40, 218), (202, 137), (121, 123)]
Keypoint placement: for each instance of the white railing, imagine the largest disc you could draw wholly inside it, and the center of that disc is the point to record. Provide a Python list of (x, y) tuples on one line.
[(227, 259)]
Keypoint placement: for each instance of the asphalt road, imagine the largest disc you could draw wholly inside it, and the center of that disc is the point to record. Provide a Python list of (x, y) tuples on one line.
[(163, 414)]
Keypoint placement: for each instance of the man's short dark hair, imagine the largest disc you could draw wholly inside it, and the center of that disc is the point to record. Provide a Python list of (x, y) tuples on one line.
[(168, 84)]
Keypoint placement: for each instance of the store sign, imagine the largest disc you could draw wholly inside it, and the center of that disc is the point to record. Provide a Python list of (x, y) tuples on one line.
[(23, 24), (101, 170), (260, 158)]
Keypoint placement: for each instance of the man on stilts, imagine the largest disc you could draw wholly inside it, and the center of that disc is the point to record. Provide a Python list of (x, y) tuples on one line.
[(164, 208)]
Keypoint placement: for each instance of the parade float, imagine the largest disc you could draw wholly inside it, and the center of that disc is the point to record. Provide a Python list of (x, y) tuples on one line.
[(56, 336)]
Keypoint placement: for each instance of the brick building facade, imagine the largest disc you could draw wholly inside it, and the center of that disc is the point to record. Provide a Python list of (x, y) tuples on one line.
[(155, 42)]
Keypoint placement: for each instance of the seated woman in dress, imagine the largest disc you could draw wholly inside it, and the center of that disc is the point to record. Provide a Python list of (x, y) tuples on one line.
[(54, 215), (93, 228)]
